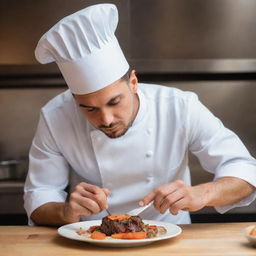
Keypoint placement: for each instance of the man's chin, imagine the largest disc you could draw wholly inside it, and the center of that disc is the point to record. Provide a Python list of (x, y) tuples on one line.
[(115, 134)]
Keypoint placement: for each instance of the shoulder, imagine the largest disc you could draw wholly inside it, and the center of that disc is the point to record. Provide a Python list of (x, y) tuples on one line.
[(61, 103), (161, 94)]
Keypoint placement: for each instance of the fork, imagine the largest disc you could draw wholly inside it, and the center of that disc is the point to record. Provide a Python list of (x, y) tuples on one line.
[(139, 210)]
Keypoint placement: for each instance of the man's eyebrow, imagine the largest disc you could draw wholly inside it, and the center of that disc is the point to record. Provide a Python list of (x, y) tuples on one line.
[(112, 99), (86, 106)]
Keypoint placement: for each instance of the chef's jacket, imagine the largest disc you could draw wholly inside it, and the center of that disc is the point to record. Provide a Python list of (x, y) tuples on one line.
[(154, 151)]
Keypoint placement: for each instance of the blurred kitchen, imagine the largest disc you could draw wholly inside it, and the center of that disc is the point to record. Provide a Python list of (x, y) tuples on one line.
[(205, 46)]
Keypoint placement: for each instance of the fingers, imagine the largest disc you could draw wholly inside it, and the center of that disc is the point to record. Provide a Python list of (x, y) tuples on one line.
[(162, 192), (95, 193), (175, 196), (106, 191), (78, 206), (88, 199), (179, 205), (158, 195), (170, 200), (147, 199)]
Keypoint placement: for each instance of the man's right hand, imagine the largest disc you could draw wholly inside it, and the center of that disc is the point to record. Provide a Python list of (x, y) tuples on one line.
[(85, 200)]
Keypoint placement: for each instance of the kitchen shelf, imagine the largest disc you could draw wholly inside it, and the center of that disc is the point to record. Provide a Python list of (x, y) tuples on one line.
[(11, 187), (11, 196)]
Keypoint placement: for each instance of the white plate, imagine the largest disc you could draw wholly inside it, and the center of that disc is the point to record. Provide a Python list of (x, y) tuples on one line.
[(69, 231), (251, 239)]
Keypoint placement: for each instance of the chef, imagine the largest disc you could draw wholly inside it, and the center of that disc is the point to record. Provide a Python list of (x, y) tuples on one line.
[(127, 142)]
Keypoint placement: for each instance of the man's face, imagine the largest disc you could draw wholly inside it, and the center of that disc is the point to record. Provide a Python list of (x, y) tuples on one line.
[(113, 108)]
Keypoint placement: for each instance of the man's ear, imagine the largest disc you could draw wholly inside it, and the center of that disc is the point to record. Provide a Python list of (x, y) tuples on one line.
[(133, 81)]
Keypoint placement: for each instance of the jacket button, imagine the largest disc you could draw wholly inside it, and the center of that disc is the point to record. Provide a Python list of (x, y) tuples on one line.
[(149, 178), (149, 131), (149, 153)]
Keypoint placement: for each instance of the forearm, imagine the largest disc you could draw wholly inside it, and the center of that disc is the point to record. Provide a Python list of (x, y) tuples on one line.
[(177, 195), (51, 214), (85, 200), (225, 191)]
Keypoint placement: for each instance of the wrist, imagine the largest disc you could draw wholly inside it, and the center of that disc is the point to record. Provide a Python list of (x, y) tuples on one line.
[(206, 191), (67, 215)]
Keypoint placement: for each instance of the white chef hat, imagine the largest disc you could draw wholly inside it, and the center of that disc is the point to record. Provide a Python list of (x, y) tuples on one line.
[(85, 48)]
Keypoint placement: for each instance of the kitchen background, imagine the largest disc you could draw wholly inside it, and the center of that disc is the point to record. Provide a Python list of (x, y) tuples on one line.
[(205, 46)]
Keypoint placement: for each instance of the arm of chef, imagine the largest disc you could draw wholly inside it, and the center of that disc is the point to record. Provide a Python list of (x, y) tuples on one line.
[(48, 171), (219, 150)]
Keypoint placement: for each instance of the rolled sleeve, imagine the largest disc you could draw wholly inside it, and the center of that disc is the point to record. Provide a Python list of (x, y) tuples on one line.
[(243, 171), (48, 171), (219, 150), (36, 198)]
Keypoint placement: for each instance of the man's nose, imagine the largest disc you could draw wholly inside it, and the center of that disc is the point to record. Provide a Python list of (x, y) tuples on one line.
[(107, 117)]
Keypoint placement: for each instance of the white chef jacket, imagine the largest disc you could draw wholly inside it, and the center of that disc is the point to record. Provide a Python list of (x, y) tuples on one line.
[(154, 151)]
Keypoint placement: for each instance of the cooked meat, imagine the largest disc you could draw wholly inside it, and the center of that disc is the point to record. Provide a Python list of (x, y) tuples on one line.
[(130, 224)]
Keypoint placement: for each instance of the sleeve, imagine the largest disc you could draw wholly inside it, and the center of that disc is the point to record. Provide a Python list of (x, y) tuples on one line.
[(48, 171), (219, 150)]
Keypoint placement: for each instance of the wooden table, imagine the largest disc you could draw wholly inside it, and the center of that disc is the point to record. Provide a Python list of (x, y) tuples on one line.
[(196, 239)]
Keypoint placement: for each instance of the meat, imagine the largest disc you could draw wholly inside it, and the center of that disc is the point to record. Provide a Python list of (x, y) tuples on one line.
[(111, 226)]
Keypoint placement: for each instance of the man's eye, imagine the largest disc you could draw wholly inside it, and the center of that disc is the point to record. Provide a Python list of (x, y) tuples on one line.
[(114, 102), (90, 109)]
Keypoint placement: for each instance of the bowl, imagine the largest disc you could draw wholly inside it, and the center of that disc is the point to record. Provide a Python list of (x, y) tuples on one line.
[(247, 233), (14, 169)]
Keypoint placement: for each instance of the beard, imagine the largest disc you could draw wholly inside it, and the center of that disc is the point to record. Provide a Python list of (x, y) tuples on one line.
[(115, 130), (119, 128)]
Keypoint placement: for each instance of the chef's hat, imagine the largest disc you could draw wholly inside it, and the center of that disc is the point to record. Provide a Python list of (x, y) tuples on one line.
[(85, 48)]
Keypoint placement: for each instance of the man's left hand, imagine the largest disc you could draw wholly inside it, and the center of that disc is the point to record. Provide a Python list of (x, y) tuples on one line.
[(176, 196)]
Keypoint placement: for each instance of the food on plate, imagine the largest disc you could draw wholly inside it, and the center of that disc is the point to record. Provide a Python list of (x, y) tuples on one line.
[(98, 235), (121, 224), (253, 232), (122, 227), (130, 235)]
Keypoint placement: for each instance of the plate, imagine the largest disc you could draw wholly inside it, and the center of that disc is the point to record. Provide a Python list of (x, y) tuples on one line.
[(69, 231), (250, 238)]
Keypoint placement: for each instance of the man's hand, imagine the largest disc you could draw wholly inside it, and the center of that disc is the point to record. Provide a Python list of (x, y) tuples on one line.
[(85, 200), (176, 196)]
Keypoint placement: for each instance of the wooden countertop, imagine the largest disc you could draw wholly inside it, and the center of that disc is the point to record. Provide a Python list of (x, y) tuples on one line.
[(196, 239)]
